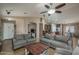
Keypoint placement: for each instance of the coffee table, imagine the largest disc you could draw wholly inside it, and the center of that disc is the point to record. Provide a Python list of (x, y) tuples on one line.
[(36, 48)]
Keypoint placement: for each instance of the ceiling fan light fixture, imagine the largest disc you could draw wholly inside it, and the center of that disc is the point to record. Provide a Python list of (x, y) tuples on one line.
[(51, 11)]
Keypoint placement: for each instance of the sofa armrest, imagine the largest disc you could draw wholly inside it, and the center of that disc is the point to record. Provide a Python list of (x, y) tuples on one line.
[(0, 46)]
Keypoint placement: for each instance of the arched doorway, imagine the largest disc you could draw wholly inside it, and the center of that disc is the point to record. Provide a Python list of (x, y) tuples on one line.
[(32, 29)]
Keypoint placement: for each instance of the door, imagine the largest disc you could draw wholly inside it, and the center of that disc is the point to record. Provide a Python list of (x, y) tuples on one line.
[(8, 31)]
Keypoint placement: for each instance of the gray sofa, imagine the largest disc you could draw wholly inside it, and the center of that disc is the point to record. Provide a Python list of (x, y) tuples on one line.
[(22, 40), (62, 51), (59, 43), (54, 41)]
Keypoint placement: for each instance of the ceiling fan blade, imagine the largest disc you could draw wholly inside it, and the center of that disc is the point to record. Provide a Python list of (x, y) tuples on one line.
[(58, 11), (59, 6), (43, 12), (47, 6)]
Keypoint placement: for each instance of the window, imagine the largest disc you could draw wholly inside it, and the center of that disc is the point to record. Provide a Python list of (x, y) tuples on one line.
[(56, 28), (53, 28), (70, 28), (67, 28)]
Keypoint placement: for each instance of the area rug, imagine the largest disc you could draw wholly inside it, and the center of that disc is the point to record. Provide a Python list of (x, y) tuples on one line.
[(36, 48)]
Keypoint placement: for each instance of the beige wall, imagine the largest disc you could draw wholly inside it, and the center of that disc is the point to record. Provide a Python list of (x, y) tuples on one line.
[(22, 24)]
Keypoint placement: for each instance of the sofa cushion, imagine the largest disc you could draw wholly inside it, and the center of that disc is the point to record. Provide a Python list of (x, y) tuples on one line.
[(31, 39), (63, 51), (45, 40), (58, 44), (60, 38), (19, 37), (49, 36), (27, 36), (19, 42)]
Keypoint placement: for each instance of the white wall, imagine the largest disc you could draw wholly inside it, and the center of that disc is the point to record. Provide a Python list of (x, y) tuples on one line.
[(19, 26), (22, 24), (44, 22)]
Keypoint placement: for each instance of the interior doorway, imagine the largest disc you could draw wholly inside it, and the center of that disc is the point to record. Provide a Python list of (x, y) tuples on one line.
[(32, 29)]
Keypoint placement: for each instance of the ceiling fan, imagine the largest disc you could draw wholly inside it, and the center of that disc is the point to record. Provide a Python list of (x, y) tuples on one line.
[(8, 12), (53, 10)]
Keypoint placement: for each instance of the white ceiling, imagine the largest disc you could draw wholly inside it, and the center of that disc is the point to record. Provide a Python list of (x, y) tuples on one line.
[(34, 9)]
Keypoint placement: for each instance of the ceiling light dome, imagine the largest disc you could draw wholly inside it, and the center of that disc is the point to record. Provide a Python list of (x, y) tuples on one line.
[(51, 11)]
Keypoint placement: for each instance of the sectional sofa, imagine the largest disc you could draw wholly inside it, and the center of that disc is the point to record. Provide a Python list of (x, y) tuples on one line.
[(55, 41), (59, 43), (22, 40)]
